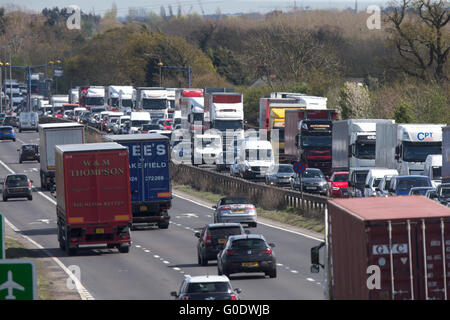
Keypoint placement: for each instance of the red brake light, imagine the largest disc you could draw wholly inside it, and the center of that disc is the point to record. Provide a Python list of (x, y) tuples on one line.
[(185, 298), (29, 184), (267, 251), (208, 241), (230, 252), (233, 297), (225, 208), (6, 185), (249, 207)]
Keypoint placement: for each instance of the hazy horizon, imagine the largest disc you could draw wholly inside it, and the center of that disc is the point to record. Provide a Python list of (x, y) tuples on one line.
[(195, 6)]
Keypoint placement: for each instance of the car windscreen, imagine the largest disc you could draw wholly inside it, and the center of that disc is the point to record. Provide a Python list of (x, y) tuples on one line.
[(312, 174), (234, 201), (419, 191), (418, 152), (29, 148), (341, 178), (445, 192), (17, 181), (285, 169), (437, 173), (224, 231), (207, 287), (376, 182), (408, 183), (361, 176), (249, 244)]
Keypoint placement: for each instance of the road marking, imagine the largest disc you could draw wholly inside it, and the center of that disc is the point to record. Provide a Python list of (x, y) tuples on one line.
[(310, 279), (82, 291), (156, 256), (148, 251), (265, 224), (176, 268), (294, 271), (137, 246), (279, 264), (166, 262)]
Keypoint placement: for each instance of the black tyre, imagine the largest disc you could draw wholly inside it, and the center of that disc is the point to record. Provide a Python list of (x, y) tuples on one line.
[(272, 274), (5, 199), (30, 198), (20, 160), (124, 248), (199, 260), (203, 261), (163, 225)]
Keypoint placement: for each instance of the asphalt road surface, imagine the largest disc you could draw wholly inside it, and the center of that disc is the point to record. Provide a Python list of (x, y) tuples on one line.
[(158, 260)]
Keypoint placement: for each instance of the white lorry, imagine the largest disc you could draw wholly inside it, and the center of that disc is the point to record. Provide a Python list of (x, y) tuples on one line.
[(191, 104), (120, 97), (354, 143), (433, 168), (406, 146), (50, 135), (73, 96), (92, 97), (57, 101), (226, 115), (28, 121), (152, 100)]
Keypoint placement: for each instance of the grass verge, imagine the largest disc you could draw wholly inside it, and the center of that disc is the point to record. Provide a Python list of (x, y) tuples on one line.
[(289, 216), (14, 250)]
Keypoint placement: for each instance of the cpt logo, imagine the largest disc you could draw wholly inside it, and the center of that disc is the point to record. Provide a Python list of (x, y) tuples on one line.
[(425, 136)]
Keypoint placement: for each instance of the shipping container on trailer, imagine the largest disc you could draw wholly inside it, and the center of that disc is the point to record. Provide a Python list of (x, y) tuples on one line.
[(151, 192), (407, 238), (93, 195)]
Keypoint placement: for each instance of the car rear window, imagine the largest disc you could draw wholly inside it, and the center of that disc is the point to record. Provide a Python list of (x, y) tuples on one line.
[(14, 181), (227, 231), (234, 201), (248, 244), (207, 287), (341, 178)]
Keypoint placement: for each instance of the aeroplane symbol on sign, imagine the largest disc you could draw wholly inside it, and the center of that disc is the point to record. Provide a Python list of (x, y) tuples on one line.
[(10, 285)]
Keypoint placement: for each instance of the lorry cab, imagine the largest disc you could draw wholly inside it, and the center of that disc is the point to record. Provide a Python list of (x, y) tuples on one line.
[(373, 179), (255, 158), (357, 180), (433, 168), (401, 185), (137, 119)]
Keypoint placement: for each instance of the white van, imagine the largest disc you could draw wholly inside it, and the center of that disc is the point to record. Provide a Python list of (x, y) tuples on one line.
[(433, 169), (207, 148), (373, 179), (254, 158), (28, 121), (137, 119)]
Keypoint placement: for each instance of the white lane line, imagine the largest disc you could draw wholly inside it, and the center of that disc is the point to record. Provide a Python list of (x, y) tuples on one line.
[(82, 291), (156, 256), (279, 264), (294, 271), (137, 246), (176, 268), (148, 251), (166, 262), (310, 279), (265, 224)]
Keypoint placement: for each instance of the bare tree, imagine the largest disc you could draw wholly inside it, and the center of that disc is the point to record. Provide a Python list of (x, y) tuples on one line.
[(420, 33)]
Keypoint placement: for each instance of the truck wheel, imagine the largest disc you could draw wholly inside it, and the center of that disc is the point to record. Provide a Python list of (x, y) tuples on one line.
[(60, 241), (124, 248), (71, 251)]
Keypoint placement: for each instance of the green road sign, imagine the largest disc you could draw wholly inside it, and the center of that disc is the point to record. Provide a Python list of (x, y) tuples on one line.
[(17, 280), (2, 237)]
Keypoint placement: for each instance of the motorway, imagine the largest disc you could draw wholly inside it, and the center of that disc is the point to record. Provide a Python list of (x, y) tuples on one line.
[(158, 260)]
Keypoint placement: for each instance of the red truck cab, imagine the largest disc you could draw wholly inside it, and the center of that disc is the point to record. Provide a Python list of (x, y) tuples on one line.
[(93, 196)]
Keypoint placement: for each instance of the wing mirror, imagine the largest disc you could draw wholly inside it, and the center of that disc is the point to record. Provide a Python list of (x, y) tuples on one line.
[(197, 234), (272, 245), (174, 294), (237, 290), (214, 207)]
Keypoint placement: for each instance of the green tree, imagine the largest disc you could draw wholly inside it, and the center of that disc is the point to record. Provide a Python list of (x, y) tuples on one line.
[(404, 113)]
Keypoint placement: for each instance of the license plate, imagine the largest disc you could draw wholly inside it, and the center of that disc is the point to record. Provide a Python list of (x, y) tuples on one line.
[(18, 190), (143, 208), (221, 241), (310, 188), (100, 231), (250, 264), (237, 211)]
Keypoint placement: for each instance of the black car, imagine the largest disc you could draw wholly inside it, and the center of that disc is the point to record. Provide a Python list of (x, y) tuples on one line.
[(213, 237), (29, 152), (247, 253), (443, 193), (279, 174), (206, 288), (11, 121), (17, 186)]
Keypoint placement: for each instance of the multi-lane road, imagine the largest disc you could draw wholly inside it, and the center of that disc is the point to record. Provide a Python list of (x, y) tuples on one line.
[(158, 259)]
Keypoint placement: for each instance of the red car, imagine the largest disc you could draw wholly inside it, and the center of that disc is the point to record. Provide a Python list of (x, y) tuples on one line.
[(338, 185), (167, 123)]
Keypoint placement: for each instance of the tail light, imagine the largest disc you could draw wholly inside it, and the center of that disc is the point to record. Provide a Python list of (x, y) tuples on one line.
[(225, 208), (249, 208), (208, 241), (29, 184), (233, 297), (230, 252), (267, 251), (6, 186), (185, 298)]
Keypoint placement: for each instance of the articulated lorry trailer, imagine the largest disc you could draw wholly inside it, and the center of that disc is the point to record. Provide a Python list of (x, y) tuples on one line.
[(354, 142), (405, 147), (93, 197), (151, 193), (446, 154), (308, 137), (50, 135), (385, 248)]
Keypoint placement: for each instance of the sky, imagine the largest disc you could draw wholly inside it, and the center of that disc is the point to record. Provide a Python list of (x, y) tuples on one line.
[(190, 6)]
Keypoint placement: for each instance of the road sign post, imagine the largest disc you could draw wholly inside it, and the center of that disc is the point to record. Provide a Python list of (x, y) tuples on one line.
[(2, 238), (17, 280), (300, 167)]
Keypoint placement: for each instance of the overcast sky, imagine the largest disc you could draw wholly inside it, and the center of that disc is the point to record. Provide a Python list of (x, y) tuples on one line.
[(209, 6)]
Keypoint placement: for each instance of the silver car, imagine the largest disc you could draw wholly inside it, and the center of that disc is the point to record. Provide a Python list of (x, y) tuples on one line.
[(239, 210)]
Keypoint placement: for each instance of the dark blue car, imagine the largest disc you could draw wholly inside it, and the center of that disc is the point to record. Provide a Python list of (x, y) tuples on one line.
[(401, 185), (7, 133)]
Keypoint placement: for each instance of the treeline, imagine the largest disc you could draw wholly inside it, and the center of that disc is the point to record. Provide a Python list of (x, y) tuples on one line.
[(403, 66)]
